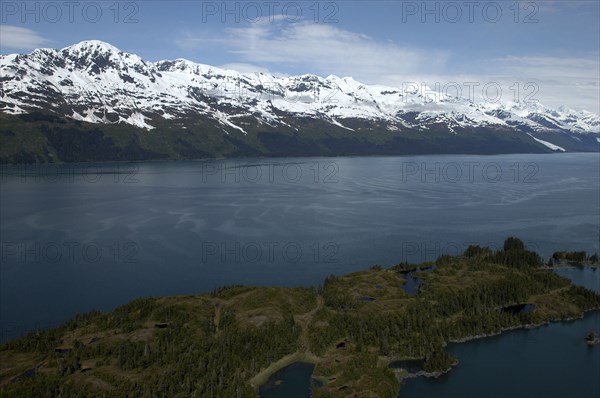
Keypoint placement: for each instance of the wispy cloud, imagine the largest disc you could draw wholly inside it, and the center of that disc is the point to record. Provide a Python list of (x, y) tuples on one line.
[(573, 81), (551, 67), (15, 37), (553, 92), (246, 68), (324, 49), (552, 80)]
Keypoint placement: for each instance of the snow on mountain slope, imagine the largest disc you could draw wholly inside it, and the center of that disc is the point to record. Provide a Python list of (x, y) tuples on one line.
[(96, 82), (548, 144)]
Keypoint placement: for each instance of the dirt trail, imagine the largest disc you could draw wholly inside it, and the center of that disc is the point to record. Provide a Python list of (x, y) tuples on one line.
[(304, 321), (303, 353)]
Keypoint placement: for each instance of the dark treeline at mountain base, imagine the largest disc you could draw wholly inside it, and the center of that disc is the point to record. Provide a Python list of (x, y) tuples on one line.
[(214, 345), (41, 137), (92, 102)]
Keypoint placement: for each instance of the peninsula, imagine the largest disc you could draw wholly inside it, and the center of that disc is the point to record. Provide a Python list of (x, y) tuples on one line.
[(226, 343)]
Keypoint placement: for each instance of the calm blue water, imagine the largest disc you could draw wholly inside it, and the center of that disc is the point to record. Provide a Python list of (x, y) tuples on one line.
[(292, 381), (586, 277), (552, 361), (412, 284), (76, 238)]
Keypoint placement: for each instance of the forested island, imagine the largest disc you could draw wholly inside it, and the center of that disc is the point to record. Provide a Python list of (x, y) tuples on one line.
[(228, 342)]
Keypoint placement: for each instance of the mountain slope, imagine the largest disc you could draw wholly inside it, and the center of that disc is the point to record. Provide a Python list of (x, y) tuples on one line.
[(121, 95)]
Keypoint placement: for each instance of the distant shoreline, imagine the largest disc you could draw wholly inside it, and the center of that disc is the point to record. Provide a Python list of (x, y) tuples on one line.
[(250, 158)]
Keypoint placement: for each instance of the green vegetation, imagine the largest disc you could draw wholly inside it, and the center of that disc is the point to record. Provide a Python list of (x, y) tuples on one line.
[(41, 137), (574, 257), (223, 344)]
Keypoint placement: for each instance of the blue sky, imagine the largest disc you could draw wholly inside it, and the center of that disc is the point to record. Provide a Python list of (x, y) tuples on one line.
[(554, 45)]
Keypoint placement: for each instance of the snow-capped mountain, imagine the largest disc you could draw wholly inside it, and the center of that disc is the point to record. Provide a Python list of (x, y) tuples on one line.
[(95, 82)]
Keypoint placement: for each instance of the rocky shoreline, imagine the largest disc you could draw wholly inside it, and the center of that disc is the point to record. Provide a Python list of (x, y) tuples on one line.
[(481, 336), (593, 342), (433, 375), (526, 326)]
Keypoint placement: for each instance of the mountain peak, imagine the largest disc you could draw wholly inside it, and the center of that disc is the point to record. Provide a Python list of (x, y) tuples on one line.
[(131, 90), (93, 45)]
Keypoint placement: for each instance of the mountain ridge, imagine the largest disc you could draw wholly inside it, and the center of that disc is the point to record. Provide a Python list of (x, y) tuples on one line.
[(94, 82)]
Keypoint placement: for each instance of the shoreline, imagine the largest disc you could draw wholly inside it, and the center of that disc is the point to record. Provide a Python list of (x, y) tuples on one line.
[(263, 376), (216, 158), (256, 378), (512, 328), (466, 339), (508, 329), (573, 266), (429, 375)]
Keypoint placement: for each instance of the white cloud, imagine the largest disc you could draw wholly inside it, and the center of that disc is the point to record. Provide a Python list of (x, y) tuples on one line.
[(551, 67), (320, 48), (246, 68), (326, 49), (573, 81), (16, 37), (553, 92)]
